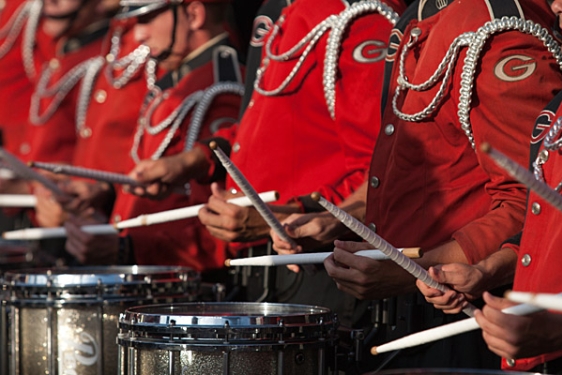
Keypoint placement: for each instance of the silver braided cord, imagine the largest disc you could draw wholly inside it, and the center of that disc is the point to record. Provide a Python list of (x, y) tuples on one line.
[(12, 28), (201, 109), (173, 122), (131, 63), (337, 24), (29, 37), (309, 40), (448, 62), (552, 142), (86, 93), (475, 42), (475, 48), (57, 91), (335, 40)]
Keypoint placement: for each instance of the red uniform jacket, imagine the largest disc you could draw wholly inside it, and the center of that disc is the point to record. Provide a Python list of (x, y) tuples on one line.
[(112, 112), (54, 139), (184, 242), (17, 84), (427, 184), (538, 265), (289, 142)]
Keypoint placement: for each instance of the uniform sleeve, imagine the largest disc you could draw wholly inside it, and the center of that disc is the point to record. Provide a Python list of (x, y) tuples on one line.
[(515, 79), (358, 95)]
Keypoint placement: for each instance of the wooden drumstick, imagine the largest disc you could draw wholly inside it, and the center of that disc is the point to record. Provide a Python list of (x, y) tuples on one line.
[(312, 258), (93, 174), (378, 242), (445, 331), (142, 220), (525, 177), (543, 300)]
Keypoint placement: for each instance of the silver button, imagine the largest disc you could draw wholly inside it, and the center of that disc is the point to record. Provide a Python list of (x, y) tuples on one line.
[(389, 129), (536, 208), (25, 148), (373, 227), (100, 96), (116, 218), (54, 64), (416, 31), (510, 362), (375, 182), (526, 260), (251, 103), (86, 133), (543, 155), (236, 147)]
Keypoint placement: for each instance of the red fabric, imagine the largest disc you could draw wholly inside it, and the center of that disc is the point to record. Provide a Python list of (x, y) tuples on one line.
[(112, 115), (289, 142), (17, 87), (54, 140), (185, 242), (541, 241), (433, 185)]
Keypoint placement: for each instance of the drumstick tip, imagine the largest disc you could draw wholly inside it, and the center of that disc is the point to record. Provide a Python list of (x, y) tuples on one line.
[(315, 196), (227, 263), (413, 252), (374, 350), (485, 147), (213, 145)]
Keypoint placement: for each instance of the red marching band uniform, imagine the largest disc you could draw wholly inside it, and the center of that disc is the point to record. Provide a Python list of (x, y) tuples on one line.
[(428, 183), (51, 131), (107, 112), (193, 102), (538, 248), (24, 47)]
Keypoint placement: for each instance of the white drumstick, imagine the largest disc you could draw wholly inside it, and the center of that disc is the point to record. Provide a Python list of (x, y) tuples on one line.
[(312, 258), (543, 300), (445, 331), (142, 220), (378, 242), (44, 233), (17, 200), (187, 212)]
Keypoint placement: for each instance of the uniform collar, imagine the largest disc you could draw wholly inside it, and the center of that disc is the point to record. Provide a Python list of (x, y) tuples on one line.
[(90, 34), (197, 58)]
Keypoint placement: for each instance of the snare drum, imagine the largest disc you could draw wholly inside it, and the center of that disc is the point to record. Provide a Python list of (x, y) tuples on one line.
[(15, 255), (64, 321), (225, 338)]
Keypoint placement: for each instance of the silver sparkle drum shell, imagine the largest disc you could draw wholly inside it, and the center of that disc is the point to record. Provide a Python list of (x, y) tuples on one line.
[(225, 338), (65, 321)]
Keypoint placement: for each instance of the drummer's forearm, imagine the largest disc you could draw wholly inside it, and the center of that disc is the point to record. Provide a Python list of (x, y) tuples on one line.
[(450, 252)]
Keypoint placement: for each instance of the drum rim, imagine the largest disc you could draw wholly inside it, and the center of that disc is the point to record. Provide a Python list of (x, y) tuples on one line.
[(147, 316), (65, 277)]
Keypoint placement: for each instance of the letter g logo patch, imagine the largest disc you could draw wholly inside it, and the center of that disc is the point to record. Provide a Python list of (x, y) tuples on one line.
[(515, 68)]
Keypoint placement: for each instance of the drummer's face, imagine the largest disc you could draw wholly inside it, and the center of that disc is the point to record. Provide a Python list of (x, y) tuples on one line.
[(556, 6)]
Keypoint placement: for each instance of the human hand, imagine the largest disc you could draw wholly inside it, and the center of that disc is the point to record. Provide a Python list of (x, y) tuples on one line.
[(363, 277), (87, 248), (512, 336), (163, 176), (230, 222), (467, 282)]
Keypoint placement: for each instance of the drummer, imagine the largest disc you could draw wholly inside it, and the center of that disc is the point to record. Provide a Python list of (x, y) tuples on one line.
[(293, 140), (428, 185), (526, 343), (190, 44)]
